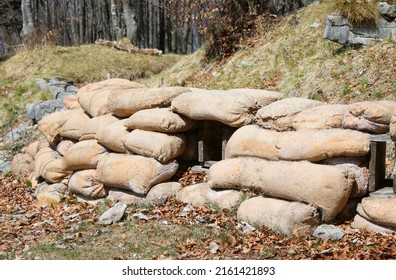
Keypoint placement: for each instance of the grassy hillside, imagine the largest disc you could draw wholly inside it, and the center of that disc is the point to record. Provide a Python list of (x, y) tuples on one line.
[(82, 65), (293, 58)]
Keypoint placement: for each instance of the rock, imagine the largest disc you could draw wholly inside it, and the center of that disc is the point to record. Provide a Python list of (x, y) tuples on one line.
[(338, 29), (161, 192), (5, 166), (113, 215), (16, 134), (314, 25), (36, 111), (328, 231), (387, 10), (42, 84)]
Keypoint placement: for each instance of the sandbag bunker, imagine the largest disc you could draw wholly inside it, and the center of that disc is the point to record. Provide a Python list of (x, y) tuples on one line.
[(301, 162)]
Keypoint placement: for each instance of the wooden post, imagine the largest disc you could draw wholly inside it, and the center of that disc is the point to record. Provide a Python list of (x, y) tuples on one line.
[(377, 165)]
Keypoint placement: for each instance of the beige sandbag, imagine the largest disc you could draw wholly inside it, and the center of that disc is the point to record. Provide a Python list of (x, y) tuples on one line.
[(126, 102), (93, 98), (50, 126), (360, 187), (279, 115), (44, 156), (161, 192), (261, 97), (159, 120), (134, 173), (111, 136), (22, 164), (311, 145), (320, 117), (200, 194), (392, 126), (73, 126), (53, 171), (86, 184), (163, 147), (279, 215), (83, 155), (381, 211), (230, 108), (34, 147), (92, 126), (371, 116), (361, 223), (127, 197), (64, 146), (71, 102), (326, 187)]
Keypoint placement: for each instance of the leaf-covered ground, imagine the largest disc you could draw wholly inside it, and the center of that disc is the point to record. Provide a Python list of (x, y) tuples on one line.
[(172, 231)]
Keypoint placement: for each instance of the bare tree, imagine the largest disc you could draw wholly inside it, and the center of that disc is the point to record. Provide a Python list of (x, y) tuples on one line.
[(27, 16)]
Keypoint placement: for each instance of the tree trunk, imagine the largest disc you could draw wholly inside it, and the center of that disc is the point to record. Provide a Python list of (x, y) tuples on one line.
[(27, 17), (130, 21)]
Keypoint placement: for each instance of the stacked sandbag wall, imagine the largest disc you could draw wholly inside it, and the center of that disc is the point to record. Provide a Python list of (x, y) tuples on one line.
[(303, 161)]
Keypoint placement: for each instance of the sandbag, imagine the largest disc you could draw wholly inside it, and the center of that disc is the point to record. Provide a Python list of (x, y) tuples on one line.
[(44, 156), (261, 97), (360, 186), (360, 223), (33, 148), (279, 215), (159, 194), (73, 126), (22, 164), (311, 145), (71, 102), (83, 155), (320, 117), (371, 116), (53, 171), (93, 98), (50, 126), (126, 102), (326, 187), (380, 211), (64, 146), (227, 107), (130, 198), (86, 184), (111, 136), (159, 120), (133, 172), (200, 194), (163, 147), (279, 115), (92, 126), (392, 126)]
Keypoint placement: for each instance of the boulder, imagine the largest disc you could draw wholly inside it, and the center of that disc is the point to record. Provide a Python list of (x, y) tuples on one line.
[(92, 126), (381, 211), (83, 155), (93, 98), (279, 115), (163, 147), (56, 189), (159, 120), (159, 194), (361, 223), (113, 215), (311, 145), (279, 215), (326, 187), (370, 116), (111, 136), (200, 194), (37, 111), (86, 184), (227, 107), (320, 117), (75, 122), (134, 173), (22, 164), (126, 102)]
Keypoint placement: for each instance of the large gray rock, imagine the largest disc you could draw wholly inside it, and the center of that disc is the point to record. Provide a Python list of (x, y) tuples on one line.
[(5, 166), (338, 29), (387, 10), (36, 111), (328, 231), (113, 215), (16, 134)]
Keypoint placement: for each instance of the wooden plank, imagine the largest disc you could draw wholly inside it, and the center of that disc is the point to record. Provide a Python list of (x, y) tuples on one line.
[(381, 138), (201, 157), (377, 165)]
